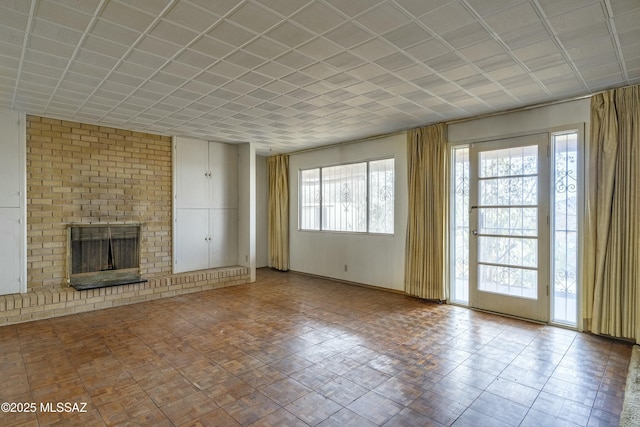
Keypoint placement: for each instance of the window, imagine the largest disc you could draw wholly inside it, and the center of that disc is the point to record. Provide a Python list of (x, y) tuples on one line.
[(564, 236), (355, 197)]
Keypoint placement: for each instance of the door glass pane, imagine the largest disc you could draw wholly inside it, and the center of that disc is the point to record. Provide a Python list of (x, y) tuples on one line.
[(508, 250), (565, 228), (460, 226), (516, 282), (509, 191), (508, 221), (509, 162)]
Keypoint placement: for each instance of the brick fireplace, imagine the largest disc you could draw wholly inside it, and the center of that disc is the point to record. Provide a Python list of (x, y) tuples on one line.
[(81, 174), (84, 174)]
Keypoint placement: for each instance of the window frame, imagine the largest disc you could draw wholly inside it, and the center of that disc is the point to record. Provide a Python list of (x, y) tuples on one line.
[(367, 197)]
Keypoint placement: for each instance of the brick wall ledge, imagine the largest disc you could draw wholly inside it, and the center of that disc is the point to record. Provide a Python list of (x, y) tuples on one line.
[(48, 302)]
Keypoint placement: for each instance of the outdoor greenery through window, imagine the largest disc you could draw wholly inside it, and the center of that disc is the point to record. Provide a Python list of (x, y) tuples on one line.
[(355, 197)]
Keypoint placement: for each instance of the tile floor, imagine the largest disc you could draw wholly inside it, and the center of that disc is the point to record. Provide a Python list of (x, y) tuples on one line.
[(291, 350)]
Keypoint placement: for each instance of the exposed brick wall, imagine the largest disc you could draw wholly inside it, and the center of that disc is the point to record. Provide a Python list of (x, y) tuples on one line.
[(80, 173)]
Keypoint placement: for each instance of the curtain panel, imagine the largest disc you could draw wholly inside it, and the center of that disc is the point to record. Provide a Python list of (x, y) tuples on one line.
[(425, 253), (611, 266), (278, 170)]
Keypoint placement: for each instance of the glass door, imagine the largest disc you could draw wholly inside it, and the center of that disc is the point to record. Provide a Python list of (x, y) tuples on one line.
[(509, 226)]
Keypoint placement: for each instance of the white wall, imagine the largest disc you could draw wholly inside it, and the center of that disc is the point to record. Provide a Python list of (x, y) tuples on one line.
[(262, 212), (529, 121), (247, 207), (376, 260)]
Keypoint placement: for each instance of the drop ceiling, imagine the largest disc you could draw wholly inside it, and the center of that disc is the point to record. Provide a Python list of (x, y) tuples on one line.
[(294, 74)]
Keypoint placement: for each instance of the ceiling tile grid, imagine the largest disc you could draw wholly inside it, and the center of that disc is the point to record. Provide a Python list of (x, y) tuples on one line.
[(293, 74)]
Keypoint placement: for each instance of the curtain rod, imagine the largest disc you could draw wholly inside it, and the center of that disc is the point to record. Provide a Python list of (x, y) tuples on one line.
[(447, 123)]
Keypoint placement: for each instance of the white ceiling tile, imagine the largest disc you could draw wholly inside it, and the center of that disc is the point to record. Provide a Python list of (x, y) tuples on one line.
[(227, 69), (254, 18), (284, 7), (579, 18), (420, 7), (448, 17), (231, 34), (239, 88), (318, 18), (353, 7), (395, 61), (157, 47), (488, 7), (627, 21), (290, 35), (70, 17), (520, 15), (584, 35), (265, 48), (44, 59), (467, 35), (11, 36), (89, 70), (192, 17), (245, 59), (105, 47), (407, 35), (56, 32), (122, 14), (273, 69), (254, 78), (114, 32), (319, 49), (553, 7), (145, 59), (42, 70), (366, 71), (344, 61), (383, 18), (195, 59), (525, 36), (13, 19), (294, 60), (348, 35), (298, 79), (373, 49), (182, 70), (169, 32), (629, 38)]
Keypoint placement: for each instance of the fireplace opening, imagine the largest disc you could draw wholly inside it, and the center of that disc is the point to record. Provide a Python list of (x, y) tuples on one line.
[(103, 255)]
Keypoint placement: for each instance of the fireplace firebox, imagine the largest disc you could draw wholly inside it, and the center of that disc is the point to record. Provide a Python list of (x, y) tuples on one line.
[(101, 255)]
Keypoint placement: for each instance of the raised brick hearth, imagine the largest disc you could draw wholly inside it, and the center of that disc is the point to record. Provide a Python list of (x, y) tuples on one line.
[(47, 302)]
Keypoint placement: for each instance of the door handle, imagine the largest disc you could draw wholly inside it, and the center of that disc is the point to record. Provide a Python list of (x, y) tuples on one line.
[(474, 232)]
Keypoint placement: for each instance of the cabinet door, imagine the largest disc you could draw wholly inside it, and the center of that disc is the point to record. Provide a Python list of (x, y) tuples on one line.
[(192, 165), (10, 251), (223, 248), (223, 163), (192, 244), (9, 159)]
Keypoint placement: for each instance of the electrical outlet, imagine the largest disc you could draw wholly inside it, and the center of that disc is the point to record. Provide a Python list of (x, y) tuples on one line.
[(346, 268)]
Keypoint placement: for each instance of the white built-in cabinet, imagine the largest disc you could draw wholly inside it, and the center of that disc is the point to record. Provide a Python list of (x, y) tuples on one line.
[(12, 202), (206, 204)]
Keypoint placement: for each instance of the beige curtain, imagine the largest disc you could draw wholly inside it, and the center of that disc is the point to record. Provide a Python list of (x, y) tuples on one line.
[(611, 291), (278, 168), (425, 259)]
